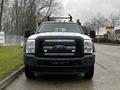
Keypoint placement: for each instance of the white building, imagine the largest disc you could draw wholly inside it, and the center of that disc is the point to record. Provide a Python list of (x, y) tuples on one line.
[(117, 32), (2, 37)]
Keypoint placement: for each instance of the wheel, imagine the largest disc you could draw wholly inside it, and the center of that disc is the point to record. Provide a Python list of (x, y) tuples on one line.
[(29, 74), (89, 75)]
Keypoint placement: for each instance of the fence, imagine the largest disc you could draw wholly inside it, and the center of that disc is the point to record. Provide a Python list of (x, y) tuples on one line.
[(13, 39), (2, 38)]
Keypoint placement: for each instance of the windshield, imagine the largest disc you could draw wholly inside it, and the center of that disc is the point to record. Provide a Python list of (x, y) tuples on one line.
[(59, 27)]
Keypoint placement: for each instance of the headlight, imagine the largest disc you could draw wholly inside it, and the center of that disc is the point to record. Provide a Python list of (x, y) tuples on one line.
[(30, 47), (88, 46)]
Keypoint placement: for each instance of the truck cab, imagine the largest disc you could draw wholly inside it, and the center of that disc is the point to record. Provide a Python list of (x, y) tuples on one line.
[(59, 48)]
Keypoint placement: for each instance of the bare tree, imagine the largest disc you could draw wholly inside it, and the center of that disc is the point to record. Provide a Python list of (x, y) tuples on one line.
[(37, 8), (96, 23), (114, 19), (53, 7), (21, 14), (1, 12)]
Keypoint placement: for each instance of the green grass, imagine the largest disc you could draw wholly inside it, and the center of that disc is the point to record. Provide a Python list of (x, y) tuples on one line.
[(11, 58)]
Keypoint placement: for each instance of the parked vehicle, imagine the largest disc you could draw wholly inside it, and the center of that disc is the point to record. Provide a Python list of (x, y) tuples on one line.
[(59, 48)]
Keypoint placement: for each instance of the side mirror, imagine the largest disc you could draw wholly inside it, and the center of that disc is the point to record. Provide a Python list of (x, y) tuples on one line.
[(27, 33), (92, 34)]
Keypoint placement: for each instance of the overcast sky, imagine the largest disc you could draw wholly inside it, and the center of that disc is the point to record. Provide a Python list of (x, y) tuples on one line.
[(85, 9)]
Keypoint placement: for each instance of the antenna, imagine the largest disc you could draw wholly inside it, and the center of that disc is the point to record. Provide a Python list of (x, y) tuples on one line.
[(70, 17)]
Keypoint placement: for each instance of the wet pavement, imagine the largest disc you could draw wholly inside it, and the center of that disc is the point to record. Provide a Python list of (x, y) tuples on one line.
[(106, 77)]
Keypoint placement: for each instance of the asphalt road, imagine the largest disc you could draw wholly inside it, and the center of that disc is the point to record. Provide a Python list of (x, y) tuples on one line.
[(107, 75)]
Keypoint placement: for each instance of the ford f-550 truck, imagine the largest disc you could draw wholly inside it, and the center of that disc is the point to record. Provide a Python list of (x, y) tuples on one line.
[(59, 48)]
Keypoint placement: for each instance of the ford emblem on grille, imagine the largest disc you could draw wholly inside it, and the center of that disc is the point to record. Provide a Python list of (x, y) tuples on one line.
[(61, 47)]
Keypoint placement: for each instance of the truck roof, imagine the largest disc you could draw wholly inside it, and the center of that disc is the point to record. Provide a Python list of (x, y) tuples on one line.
[(59, 22)]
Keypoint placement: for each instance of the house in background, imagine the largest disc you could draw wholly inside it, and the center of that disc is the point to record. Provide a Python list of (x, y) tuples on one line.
[(117, 32)]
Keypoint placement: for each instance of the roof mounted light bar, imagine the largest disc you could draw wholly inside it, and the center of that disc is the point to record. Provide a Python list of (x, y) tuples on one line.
[(54, 18)]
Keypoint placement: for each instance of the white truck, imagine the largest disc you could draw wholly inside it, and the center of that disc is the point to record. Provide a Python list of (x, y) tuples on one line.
[(59, 48)]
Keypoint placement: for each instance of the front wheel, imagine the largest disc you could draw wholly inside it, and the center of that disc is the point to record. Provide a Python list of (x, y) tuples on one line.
[(29, 74), (89, 75)]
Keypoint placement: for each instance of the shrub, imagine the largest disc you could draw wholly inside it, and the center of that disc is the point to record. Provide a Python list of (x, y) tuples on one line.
[(107, 40)]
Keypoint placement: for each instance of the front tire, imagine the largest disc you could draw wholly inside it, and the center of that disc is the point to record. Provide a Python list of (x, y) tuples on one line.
[(89, 75), (29, 74)]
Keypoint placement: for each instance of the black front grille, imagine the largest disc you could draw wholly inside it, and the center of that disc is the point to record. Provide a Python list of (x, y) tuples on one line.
[(44, 48), (39, 47), (79, 48)]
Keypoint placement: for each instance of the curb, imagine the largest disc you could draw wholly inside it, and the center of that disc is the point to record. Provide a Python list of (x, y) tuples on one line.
[(4, 83), (109, 44)]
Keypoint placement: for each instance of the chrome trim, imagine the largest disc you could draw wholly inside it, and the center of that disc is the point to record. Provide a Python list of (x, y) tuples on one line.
[(59, 40), (70, 47), (73, 51), (67, 47), (47, 47), (45, 51)]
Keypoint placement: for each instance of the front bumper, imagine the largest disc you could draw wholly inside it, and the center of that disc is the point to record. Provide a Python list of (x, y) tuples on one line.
[(59, 65)]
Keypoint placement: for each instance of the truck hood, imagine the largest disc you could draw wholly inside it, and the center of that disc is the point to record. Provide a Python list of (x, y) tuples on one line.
[(59, 34)]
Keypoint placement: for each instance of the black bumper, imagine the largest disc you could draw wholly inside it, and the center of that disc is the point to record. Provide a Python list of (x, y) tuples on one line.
[(59, 65)]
